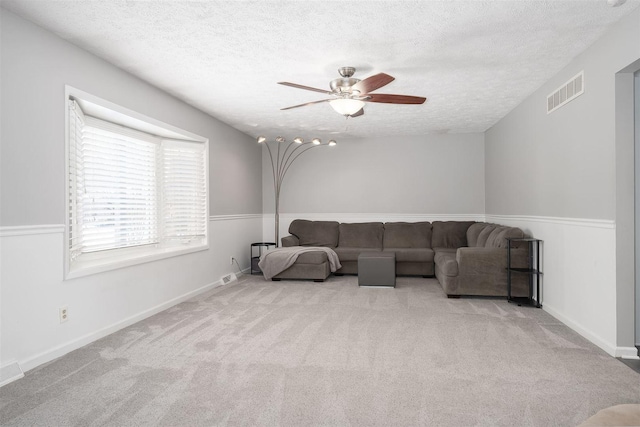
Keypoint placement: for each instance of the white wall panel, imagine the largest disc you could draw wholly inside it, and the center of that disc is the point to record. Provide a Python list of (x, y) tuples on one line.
[(579, 280), (33, 289)]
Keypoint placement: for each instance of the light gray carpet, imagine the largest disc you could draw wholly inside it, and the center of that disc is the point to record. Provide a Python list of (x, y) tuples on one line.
[(304, 353)]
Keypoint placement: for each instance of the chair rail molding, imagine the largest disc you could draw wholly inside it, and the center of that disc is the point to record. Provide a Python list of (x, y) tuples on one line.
[(581, 222), (25, 230), (234, 217), (381, 217)]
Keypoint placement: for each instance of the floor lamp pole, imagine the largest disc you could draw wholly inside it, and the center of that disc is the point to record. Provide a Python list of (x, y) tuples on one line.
[(281, 161)]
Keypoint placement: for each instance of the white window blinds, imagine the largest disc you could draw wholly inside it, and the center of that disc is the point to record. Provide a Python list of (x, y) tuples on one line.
[(184, 191), (131, 189)]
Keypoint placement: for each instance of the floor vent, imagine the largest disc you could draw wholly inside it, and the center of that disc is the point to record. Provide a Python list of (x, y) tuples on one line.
[(565, 93), (10, 373), (228, 278)]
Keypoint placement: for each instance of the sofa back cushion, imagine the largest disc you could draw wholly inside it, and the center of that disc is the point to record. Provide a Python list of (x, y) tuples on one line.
[(497, 238), (473, 232), (484, 234), (407, 235), (361, 235), (315, 233), (450, 234)]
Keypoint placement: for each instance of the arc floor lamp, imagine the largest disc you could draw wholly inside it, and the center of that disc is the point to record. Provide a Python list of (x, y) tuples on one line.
[(282, 156)]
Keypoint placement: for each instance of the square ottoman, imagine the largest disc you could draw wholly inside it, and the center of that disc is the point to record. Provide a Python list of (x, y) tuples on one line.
[(377, 269)]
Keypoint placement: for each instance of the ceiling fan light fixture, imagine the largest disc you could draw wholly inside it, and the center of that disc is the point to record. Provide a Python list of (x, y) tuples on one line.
[(346, 106)]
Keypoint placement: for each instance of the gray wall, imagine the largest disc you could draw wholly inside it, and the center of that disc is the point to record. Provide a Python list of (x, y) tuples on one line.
[(433, 174), (563, 164), (577, 163), (35, 67)]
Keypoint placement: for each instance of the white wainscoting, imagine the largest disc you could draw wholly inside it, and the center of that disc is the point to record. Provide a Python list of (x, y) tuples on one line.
[(33, 289), (579, 282)]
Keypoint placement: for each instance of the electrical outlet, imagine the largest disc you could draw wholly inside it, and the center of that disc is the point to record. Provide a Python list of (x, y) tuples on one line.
[(231, 261), (64, 314)]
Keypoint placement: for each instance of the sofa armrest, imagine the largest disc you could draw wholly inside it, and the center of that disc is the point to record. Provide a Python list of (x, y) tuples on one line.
[(288, 241), (476, 261), (488, 260)]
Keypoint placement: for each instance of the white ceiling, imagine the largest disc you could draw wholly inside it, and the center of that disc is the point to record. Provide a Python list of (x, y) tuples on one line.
[(474, 60)]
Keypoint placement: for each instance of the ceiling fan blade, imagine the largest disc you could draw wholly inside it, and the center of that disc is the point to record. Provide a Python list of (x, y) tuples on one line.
[(297, 86), (372, 83), (308, 103), (395, 99), (358, 113)]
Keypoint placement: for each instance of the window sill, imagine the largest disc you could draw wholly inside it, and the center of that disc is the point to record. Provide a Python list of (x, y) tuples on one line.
[(83, 268)]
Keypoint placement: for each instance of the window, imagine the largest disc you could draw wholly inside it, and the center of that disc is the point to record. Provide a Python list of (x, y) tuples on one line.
[(137, 190)]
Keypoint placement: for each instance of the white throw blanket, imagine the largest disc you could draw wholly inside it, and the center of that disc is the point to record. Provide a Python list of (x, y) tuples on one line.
[(275, 261)]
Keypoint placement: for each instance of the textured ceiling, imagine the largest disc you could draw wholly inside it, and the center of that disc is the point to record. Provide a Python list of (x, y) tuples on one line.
[(473, 60)]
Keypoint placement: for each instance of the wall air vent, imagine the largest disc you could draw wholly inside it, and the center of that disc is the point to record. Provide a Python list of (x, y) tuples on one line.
[(228, 278), (565, 93)]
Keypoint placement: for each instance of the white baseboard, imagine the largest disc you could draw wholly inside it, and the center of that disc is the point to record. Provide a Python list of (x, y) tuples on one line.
[(9, 373), (612, 350), (65, 348), (627, 353), (606, 346)]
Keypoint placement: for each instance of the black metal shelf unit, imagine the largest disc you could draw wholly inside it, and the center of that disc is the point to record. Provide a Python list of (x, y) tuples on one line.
[(533, 247), (255, 259)]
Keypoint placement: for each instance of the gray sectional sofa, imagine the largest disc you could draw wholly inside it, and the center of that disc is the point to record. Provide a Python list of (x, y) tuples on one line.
[(479, 266), (468, 258)]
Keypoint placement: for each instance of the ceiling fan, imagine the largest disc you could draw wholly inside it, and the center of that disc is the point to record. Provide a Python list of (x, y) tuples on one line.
[(349, 94)]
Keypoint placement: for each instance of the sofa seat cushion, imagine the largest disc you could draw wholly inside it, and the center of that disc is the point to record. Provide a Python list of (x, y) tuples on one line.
[(361, 235), (412, 254), (446, 262), (407, 235), (350, 254), (312, 258), (315, 233), (446, 250), (627, 414)]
